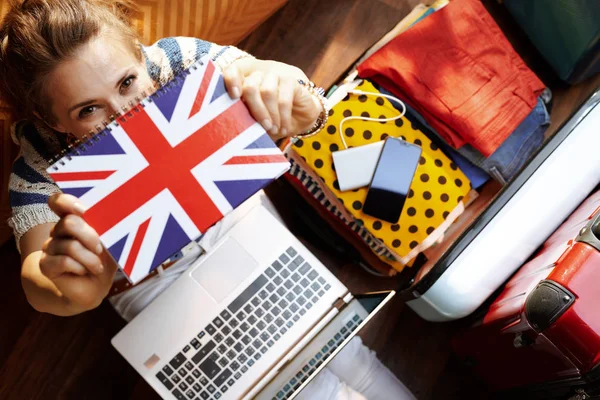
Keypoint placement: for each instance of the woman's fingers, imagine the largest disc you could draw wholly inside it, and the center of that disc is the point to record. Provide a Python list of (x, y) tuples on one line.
[(73, 246), (54, 266), (74, 227), (251, 93), (269, 92), (287, 88), (233, 81), (75, 250), (83, 292), (270, 100)]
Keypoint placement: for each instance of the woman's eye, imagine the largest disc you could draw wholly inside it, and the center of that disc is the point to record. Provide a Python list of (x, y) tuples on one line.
[(87, 111), (127, 83)]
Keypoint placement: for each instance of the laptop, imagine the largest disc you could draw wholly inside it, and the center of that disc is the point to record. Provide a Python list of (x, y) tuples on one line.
[(258, 317)]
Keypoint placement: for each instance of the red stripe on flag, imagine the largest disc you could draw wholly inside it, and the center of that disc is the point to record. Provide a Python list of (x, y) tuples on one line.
[(135, 247), (80, 176), (264, 159), (208, 74), (165, 163)]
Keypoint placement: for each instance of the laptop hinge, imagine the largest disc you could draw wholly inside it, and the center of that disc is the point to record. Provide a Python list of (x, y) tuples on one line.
[(339, 304), (342, 302)]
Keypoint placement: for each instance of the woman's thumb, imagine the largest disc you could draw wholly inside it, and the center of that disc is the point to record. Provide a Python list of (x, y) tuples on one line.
[(63, 204)]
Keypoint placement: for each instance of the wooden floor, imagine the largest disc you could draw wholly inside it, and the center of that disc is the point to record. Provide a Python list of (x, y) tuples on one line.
[(45, 357)]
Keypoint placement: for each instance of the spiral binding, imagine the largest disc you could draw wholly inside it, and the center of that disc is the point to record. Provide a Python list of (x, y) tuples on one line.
[(78, 146)]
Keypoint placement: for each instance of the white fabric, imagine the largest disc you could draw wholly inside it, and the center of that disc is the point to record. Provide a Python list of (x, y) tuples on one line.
[(327, 386), (356, 374)]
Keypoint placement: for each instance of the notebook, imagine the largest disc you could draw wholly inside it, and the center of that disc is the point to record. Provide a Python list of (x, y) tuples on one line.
[(161, 174)]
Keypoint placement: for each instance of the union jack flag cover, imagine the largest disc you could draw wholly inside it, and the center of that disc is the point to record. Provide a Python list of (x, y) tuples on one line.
[(155, 180)]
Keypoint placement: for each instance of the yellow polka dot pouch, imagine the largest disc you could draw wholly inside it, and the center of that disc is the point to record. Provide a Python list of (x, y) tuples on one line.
[(437, 190)]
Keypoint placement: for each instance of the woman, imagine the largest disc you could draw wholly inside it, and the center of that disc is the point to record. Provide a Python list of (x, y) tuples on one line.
[(69, 65)]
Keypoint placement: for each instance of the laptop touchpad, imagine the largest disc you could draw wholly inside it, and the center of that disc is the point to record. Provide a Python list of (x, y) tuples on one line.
[(225, 268)]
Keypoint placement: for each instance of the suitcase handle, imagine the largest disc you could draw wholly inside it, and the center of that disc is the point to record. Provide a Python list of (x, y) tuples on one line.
[(590, 233)]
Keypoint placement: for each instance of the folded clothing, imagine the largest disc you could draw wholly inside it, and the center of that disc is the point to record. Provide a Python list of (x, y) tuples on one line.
[(476, 175), (459, 71), (438, 190), (508, 159), (417, 14)]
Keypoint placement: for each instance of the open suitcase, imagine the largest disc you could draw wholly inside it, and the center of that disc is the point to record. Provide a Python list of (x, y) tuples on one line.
[(541, 337), (492, 240), (495, 234), (500, 230)]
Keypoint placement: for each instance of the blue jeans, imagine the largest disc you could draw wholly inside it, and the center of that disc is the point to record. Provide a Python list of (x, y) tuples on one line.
[(505, 162)]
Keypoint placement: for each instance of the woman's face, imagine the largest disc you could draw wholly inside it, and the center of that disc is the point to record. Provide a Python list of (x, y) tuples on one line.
[(102, 77)]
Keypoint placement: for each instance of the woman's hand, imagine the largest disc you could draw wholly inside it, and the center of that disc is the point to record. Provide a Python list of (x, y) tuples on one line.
[(73, 257), (271, 91)]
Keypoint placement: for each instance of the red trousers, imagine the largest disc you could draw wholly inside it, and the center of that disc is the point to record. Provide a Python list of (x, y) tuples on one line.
[(459, 71)]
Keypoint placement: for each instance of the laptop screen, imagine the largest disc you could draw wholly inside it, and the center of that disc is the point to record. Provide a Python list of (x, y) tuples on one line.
[(325, 346)]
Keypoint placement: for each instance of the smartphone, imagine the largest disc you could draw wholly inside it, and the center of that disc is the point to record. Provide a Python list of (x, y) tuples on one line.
[(391, 180)]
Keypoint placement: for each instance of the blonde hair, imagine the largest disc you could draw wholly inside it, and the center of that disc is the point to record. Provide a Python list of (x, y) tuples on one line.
[(37, 35)]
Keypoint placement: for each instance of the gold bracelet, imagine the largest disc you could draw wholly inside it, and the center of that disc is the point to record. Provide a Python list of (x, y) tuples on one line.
[(319, 93)]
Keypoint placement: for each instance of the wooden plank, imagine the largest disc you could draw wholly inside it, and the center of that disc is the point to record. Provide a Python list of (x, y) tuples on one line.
[(324, 38), (223, 22)]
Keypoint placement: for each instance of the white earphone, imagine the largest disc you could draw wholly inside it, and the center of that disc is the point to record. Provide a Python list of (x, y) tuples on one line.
[(361, 118)]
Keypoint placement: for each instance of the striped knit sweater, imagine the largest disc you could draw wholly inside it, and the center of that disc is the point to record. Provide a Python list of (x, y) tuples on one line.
[(30, 186)]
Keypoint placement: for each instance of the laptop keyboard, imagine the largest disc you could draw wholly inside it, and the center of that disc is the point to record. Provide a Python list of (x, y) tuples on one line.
[(315, 362), (227, 348)]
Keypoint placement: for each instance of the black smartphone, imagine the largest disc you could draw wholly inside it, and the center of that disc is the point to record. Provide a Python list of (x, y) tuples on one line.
[(392, 179)]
